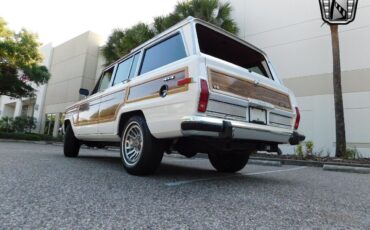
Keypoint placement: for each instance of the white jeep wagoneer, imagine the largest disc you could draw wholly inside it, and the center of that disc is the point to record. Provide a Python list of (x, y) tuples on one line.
[(192, 89)]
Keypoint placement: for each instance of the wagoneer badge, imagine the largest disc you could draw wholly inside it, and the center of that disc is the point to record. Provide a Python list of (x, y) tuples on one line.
[(338, 11)]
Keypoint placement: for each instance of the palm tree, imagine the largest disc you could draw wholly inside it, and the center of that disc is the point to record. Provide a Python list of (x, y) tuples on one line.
[(338, 98), (112, 49), (211, 11), (161, 23), (121, 42)]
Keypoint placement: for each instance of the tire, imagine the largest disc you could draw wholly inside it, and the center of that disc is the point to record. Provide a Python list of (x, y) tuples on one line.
[(71, 143), (141, 153), (279, 152), (229, 162), (187, 153)]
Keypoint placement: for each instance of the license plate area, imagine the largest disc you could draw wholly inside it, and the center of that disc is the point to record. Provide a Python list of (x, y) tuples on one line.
[(257, 116)]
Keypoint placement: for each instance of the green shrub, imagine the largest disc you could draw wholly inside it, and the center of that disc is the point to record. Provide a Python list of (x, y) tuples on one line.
[(351, 154), (299, 151), (23, 123), (19, 124), (6, 124), (309, 147)]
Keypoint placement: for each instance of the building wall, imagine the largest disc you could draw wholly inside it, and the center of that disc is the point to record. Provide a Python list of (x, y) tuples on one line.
[(293, 35), (74, 66), (47, 53)]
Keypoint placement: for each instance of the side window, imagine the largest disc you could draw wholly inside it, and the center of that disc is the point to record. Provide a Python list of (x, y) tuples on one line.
[(123, 71), (256, 69), (163, 53), (134, 65), (105, 80)]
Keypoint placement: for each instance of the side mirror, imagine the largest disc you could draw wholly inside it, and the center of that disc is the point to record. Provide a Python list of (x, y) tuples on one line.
[(84, 92)]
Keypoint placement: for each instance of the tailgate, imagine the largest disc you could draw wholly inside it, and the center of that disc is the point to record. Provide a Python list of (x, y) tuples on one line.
[(239, 94)]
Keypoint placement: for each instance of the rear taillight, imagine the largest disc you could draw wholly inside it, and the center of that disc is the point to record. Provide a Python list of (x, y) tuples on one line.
[(204, 95), (297, 119)]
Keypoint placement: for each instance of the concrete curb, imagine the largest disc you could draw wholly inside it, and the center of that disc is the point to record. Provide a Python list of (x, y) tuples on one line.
[(348, 164), (113, 149), (264, 162), (349, 169), (56, 143), (290, 162), (27, 142), (330, 166)]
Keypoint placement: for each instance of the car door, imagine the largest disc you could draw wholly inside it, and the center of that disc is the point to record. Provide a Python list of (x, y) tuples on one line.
[(114, 97), (88, 113)]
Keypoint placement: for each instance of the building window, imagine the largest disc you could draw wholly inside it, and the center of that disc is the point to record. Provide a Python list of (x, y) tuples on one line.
[(49, 123)]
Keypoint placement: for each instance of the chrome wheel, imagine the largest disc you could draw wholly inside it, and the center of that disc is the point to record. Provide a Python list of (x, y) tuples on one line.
[(132, 143)]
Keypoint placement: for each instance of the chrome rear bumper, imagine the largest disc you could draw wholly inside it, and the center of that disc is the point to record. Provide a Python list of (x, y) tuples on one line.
[(219, 128)]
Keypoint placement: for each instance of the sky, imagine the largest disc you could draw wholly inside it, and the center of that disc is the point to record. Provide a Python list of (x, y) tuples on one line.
[(57, 21)]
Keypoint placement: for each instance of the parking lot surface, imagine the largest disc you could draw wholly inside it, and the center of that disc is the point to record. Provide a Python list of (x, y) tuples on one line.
[(39, 188)]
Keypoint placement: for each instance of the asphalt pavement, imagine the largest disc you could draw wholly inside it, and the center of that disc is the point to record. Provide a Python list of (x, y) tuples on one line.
[(41, 189)]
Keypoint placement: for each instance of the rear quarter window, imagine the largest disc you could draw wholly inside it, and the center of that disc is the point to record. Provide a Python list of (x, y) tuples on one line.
[(163, 53)]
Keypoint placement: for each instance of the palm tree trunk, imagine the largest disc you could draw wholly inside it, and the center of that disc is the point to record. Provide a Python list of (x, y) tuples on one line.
[(338, 98)]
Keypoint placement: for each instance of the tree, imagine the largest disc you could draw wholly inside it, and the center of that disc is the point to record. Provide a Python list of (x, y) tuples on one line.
[(19, 63), (161, 23), (338, 98), (121, 42), (211, 11)]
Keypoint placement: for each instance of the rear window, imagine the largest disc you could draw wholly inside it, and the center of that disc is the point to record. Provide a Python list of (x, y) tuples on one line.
[(223, 47), (163, 53)]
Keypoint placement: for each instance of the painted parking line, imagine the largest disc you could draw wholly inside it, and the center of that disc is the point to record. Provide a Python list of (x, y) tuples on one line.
[(177, 183)]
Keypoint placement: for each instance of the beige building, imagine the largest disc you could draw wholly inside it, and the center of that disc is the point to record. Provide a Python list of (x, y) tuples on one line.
[(293, 35), (74, 65)]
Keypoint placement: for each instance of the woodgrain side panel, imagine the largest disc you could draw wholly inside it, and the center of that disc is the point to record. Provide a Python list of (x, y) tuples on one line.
[(110, 105), (106, 107), (151, 88), (247, 89), (88, 113)]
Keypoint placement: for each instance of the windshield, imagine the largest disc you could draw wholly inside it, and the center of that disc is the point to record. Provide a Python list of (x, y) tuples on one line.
[(223, 47)]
